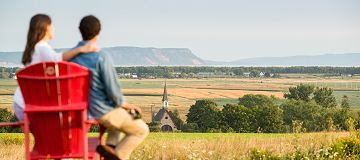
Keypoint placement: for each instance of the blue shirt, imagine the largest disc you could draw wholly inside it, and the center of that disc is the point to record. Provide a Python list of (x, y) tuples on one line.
[(105, 90)]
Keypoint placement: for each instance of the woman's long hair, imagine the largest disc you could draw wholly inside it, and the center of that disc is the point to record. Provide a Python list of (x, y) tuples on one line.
[(37, 31)]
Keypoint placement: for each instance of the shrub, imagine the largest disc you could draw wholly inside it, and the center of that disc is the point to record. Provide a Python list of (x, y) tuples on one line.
[(261, 154), (346, 146), (10, 139)]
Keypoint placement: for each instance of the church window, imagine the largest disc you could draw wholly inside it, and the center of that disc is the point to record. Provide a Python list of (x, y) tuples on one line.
[(166, 117)]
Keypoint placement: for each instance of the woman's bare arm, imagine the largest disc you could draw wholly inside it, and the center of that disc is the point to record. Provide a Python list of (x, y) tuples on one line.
[(87, 48)]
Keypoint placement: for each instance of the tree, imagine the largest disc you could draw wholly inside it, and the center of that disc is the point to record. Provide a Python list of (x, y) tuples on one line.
[(269, 119), (323, 96), (169, 75), (340, 115), (299, 110), (183, 75), (8, 116), (254, 73), (190, 128), (267, 74), (191, 75), (238, 118), (345, 102), (154, 126), (301, 91), (176, 118), (266, 111), (259, 100), (239, 71), (5, 116), (205, 114), (138, 75)]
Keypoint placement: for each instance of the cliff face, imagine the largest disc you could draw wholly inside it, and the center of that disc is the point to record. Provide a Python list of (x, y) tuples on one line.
[(153, 56), (132, 56)]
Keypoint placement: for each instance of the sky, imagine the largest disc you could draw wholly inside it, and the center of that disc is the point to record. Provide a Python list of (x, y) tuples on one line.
[(213, 30)]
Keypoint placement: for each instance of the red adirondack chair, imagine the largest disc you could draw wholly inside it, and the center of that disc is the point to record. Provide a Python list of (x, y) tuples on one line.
[(56, 98)]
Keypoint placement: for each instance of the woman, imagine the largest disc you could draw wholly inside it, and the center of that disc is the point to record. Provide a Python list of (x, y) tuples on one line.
[(37, 50)]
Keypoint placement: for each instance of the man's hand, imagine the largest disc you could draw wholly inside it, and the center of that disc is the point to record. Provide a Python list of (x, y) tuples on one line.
[(131, 106), (89, 47)]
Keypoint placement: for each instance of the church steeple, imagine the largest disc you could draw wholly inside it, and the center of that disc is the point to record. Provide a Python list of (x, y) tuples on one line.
[(165, 100)]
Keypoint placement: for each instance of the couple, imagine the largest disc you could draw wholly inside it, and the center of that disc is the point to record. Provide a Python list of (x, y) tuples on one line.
[(106, 102)]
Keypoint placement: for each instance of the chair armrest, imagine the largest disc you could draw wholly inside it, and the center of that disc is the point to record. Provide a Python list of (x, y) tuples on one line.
[(12, 124), (91, 121)]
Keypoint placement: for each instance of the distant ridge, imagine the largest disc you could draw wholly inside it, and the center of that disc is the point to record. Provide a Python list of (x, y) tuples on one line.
[(138, 56), (131, 56), (347, 59)]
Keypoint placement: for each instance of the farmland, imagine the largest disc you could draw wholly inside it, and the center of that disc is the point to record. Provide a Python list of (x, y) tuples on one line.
[(183, 93), (226, 89)]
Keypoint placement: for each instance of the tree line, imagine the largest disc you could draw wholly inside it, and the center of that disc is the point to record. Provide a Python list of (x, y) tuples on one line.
[(8, 72), (260, 113), (188, 71), (162, 70)]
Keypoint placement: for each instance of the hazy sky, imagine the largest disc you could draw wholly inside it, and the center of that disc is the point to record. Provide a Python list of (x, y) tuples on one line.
[(214, 30)]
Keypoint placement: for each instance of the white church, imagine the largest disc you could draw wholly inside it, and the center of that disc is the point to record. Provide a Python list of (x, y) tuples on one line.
[(163, 116)]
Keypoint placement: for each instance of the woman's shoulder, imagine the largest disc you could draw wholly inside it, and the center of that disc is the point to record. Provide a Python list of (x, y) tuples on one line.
[(42, 44)]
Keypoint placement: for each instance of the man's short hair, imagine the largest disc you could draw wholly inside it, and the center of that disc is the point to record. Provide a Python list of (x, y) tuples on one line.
[(89, 27)]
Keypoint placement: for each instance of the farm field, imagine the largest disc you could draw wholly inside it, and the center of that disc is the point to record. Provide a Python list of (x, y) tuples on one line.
[(210, 145), (183, 93)]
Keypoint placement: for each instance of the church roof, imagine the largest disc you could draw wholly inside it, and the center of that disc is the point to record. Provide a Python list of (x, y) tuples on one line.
[(165, 94), (160, 115)]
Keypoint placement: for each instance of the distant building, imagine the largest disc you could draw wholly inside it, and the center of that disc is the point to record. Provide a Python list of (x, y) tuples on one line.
[(134, 76), (246, 74), (14, 77), (221, 73), (205, 73), (151, 77), (163, 116), (302, 76), (176, 74), (262, 74), (344, 75)]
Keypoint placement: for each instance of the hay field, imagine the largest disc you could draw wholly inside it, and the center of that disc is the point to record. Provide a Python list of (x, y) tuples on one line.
[(163, 146)]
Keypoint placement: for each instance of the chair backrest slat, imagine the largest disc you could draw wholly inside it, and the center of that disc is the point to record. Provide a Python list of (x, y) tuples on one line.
[(56, 85)]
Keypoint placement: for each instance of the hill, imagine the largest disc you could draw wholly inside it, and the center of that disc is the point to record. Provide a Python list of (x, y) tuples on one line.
[(348, 59), (131, 56)]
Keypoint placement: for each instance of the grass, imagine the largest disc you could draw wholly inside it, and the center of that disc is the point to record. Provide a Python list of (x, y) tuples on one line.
[(210, 145), (353, 96), (223, 101)]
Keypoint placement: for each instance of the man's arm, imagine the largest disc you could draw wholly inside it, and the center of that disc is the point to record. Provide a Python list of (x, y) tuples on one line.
[(110, 80), (112, 85)]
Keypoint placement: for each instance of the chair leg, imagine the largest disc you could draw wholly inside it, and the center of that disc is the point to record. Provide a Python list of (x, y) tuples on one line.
[(85, 140), (27, 140)]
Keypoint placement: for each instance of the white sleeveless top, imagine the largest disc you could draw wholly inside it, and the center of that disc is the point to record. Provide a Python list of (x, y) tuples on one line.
[(42, 52)]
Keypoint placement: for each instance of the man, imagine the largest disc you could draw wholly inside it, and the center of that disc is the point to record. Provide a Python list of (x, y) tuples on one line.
[(106, 102)]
